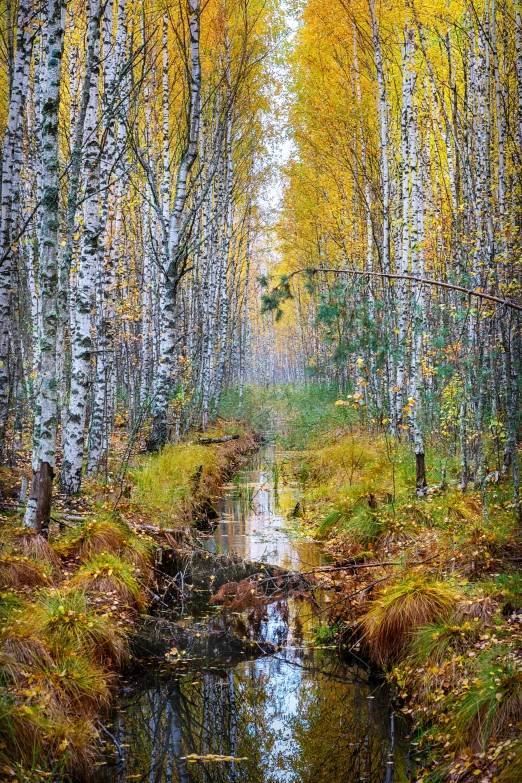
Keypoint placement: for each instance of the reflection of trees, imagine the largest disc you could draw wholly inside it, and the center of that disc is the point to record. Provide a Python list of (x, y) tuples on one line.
[(304, 719), (217, 714), (338, 731)]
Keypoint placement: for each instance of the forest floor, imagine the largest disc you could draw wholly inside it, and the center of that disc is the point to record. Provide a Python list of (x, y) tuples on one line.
[(69, 603), (428, 588)]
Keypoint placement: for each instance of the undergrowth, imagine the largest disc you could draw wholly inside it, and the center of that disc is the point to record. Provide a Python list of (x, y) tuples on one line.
[(440, 608), (67, 604)]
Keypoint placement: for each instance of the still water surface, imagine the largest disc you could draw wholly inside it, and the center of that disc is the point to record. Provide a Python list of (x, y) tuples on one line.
[(298, 715)]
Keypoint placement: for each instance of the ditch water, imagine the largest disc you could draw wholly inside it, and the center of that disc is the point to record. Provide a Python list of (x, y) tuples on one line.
[(300, 714)]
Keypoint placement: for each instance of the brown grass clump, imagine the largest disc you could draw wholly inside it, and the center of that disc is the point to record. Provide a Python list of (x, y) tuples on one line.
[(31, 544), (18, 571), (74, 745), (53, 747), (19, 649), (111, 576), (399, 610), (92, 538)]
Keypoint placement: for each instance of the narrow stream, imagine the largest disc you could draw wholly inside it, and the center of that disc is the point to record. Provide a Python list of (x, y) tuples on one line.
[(300, 714)]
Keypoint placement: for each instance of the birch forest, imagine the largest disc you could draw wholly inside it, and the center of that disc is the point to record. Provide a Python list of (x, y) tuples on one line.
[(276, 243)]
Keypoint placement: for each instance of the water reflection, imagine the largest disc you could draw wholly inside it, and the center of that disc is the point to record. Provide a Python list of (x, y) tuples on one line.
[(300, 715), (307, 718), (254, 515)]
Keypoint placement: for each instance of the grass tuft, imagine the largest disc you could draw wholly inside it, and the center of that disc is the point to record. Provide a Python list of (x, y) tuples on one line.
[(31, 544), (110, 575), (512, 771), (70, 685), (493, 702), (67, 622), (432, 643), (92, 538), (401, 609), (18, 571)]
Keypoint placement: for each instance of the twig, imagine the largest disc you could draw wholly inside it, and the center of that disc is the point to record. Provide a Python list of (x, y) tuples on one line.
[(117, 745)]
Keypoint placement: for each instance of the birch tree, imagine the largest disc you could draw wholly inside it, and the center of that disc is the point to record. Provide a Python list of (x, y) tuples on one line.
[(44, 453)]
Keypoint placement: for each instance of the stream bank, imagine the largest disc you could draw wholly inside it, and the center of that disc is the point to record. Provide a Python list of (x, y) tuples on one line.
[(246, 696), (69, 604)]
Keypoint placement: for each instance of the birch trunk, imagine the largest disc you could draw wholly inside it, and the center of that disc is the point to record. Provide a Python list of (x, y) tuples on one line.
[(174, 250), (82, 342), (111, 157), (11, 164), (38, 508)]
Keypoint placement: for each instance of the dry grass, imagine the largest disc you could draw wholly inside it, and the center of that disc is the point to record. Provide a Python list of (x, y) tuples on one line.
[(111, 576), (58, 746), (21, 649), (60, 648), (399, 610), (31, 544), (512, 771), (93, 537), (18, 572)]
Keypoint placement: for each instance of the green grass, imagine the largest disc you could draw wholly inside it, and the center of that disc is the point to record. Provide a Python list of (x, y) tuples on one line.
[(493, 702), (326, 634), (67, 623), (433, 643), (296, 415), (164, 482)]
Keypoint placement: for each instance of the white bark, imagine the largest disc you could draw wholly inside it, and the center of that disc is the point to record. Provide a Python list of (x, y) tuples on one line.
[(173, 246), (44, 454), (112, 154), (11, 165), (82, 342)]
